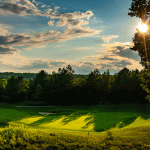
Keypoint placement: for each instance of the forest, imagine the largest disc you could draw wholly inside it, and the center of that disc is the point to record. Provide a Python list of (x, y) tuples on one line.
[(63, 88)]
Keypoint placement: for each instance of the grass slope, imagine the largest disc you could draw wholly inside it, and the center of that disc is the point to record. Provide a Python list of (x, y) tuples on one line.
[(75, 127)]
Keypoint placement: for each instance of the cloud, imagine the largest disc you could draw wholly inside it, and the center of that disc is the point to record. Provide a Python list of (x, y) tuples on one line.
[(73, 19), (46, 37), (42, 64), (74, 15), (26, 40), (19, 7), (57, 64), (43, 6), (116, 56), (119, 50), (56, 7), (8, 50), (51, 23), (25, 7), (28, 3), (83, 48), (72, 23), (12, 60), (30, 64), (81, 31), (4, 30), (14, 8), (108, 38)]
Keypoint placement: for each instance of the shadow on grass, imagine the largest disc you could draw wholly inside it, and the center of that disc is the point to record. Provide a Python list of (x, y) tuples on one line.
[(107, 120), (46, 119), (3, 124), (130, 120)]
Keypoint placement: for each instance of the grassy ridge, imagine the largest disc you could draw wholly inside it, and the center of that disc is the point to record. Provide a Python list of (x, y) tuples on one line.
[(75, 127)]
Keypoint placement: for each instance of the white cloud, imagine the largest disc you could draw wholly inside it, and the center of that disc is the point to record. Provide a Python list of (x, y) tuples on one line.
[(12, 60), (51, 23), (4, 30), (108, 38), (83, 48), (73, 19), (43, 6), (56, 7), (28, 3)]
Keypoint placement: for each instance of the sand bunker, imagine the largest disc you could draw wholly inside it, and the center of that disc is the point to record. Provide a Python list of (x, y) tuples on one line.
[(45, 113)]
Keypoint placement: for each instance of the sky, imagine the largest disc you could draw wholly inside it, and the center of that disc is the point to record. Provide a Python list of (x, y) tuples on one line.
[(47, 35)]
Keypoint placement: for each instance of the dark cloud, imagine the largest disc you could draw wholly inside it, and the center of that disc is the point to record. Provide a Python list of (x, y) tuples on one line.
[(3, 40), (122, 63), (73, 21), (38, 64), (26, 40), (85, 68), (88, 63), (107, 58), (15, 8), (41, 64), (57, 64), (12, 39), (118, 64), (125, 52), (7, 50), (106, 66), (76, 31)]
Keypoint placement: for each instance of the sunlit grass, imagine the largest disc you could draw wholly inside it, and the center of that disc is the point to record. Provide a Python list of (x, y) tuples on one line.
[(17, 136), (77, 124), (30, 120), (81, 128)]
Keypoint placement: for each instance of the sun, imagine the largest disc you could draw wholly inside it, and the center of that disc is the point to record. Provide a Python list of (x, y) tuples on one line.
[(143, 28)]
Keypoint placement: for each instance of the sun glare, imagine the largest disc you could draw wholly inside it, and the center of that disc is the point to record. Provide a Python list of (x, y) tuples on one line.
[(143, 28)]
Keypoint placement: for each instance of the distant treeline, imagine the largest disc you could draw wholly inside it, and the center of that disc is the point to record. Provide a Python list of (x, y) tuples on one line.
[(63, 88), (27, 76)]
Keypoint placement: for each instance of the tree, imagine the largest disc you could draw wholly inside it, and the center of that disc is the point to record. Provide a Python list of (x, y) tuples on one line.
[(119, 88), (3, 83), (15, 89), (63, 83), (145, 83), (93, 83), (141, 9), (35, 85)]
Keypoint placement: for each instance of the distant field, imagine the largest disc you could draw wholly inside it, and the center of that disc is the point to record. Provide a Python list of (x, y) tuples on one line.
[(93, 119)]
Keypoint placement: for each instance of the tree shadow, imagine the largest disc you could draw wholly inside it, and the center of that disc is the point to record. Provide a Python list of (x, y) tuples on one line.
[(3, 124)]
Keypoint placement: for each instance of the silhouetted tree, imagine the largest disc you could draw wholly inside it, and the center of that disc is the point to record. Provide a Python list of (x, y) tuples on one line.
[(15, 89), (141, 9), (63, 81), (36, 87), (3, 83), (145, 84)]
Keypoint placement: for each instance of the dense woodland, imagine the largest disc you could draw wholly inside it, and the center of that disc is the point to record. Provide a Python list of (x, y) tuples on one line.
[(63, 88)]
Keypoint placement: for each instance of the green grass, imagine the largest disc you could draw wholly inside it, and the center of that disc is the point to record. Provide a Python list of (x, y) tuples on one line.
[(75, 127)]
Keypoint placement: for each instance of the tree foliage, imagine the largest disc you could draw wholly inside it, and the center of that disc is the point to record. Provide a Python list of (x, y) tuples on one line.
[(62, 88), (141, 9), (15, 89)]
